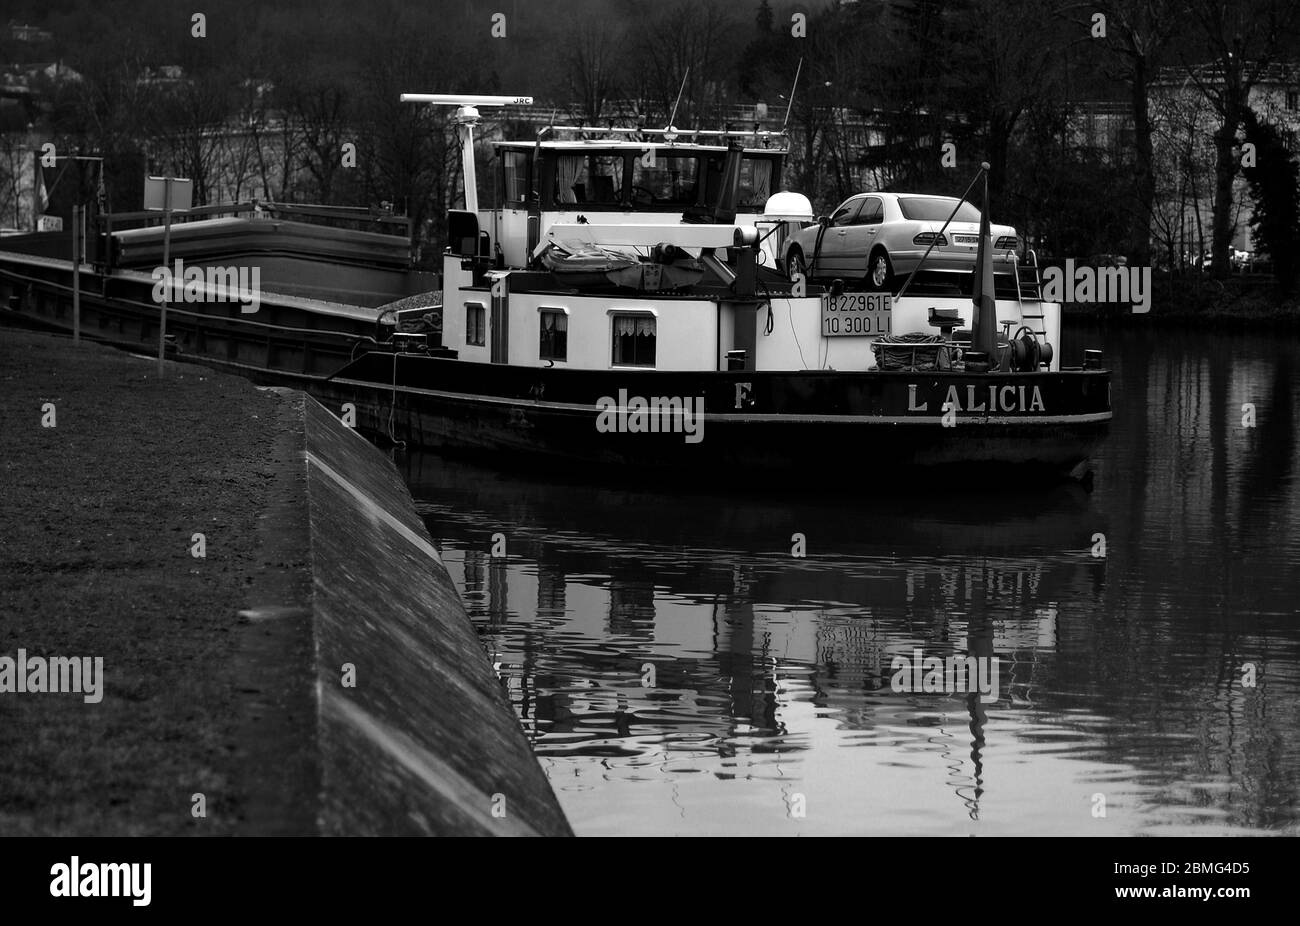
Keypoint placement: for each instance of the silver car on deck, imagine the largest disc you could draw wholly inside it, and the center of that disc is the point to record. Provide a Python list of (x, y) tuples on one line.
[(880, 238)]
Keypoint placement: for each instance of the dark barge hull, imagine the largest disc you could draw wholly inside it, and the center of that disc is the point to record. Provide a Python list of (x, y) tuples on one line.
[(850, 428), (843, 429)]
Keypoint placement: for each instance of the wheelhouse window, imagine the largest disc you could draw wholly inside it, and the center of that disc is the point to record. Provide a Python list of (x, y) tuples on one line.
[(554, 343), (634, 340), (589, 179), (475, 324), (672, 179), (515, 175)]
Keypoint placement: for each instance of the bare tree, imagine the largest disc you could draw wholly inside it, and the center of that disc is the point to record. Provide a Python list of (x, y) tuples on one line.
[(1138, 35), (190, 123), (319, 105), (1242, 41), (1012, 49), (688, 48), (592, 58)]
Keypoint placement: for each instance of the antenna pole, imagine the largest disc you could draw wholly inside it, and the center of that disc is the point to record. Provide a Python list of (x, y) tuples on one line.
[(790, 103), (672, 120), (466, 118)]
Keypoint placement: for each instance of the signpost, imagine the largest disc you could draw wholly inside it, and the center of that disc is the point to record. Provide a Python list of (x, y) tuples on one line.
[(168, 194), (76, 275)]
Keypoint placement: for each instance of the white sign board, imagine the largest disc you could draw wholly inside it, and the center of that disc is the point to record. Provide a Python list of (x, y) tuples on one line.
[(857, 314), (155, 191), (49, 223)]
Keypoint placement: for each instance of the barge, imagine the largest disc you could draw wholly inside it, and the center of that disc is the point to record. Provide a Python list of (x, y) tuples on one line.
[(622, 308)]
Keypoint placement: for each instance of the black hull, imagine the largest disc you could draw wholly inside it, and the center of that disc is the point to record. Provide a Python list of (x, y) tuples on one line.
[(853, 430), (857, 456), (864, 429)]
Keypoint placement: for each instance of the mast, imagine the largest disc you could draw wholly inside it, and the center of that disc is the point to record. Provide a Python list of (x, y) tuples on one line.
[(984, 333)]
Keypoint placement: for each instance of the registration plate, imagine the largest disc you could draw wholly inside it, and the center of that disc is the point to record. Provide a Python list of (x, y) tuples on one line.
[(966, 239), (857, 314)]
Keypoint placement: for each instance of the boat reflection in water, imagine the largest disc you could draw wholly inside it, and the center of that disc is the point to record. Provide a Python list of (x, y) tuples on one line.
[(679, 670)]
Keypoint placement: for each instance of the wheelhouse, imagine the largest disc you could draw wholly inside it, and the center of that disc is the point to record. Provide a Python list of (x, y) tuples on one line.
[(539, 184)]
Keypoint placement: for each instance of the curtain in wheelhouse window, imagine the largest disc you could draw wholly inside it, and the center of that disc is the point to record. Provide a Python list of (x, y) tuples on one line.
[(755, 182), (568, 168)]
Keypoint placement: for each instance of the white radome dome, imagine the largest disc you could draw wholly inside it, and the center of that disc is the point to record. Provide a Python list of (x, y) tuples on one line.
[(788, 206)]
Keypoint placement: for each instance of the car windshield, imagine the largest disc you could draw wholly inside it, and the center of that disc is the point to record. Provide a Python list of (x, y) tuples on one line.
[(936, 209)]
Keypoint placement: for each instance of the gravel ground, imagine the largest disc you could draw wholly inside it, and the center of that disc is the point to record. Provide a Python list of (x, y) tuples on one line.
[(95, 560)]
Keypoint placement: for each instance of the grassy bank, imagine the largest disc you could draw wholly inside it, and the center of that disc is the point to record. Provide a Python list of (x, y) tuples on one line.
[(1240, 301), (95, 560)]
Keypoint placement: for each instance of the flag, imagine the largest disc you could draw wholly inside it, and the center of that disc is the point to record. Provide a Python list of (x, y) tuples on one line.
[(984, 337)]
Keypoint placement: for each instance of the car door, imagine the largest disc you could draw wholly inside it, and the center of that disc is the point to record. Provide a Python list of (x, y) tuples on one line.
[(860, 237), (831, 259)]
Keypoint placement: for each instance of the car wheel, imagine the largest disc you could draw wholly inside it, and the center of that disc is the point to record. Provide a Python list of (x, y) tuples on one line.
[(880, 272), (794, 264)]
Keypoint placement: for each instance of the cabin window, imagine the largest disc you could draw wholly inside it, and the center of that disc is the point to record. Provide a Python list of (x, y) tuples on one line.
[(634, 340), (514, 165), (475, 326), (554, 335), (589, 179), (674, 180)]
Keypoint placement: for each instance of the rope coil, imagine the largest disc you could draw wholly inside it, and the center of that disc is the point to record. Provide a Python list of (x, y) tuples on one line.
[(914, 351)]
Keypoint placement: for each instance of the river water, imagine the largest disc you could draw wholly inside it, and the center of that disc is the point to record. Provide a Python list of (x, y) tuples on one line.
[(679, 671)]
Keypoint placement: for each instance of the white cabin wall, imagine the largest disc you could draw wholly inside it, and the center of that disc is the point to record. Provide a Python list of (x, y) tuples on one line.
[(454, 280), (804, 348), (685, 331), (780, 351), (688, 335), (1052, 325), (726, 335)]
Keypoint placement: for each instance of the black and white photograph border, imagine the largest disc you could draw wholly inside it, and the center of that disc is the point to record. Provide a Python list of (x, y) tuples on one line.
[(610, 418)]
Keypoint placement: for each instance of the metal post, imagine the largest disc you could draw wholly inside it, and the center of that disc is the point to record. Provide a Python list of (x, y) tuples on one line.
[(167, 250), (467, 116), (76, 275)]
